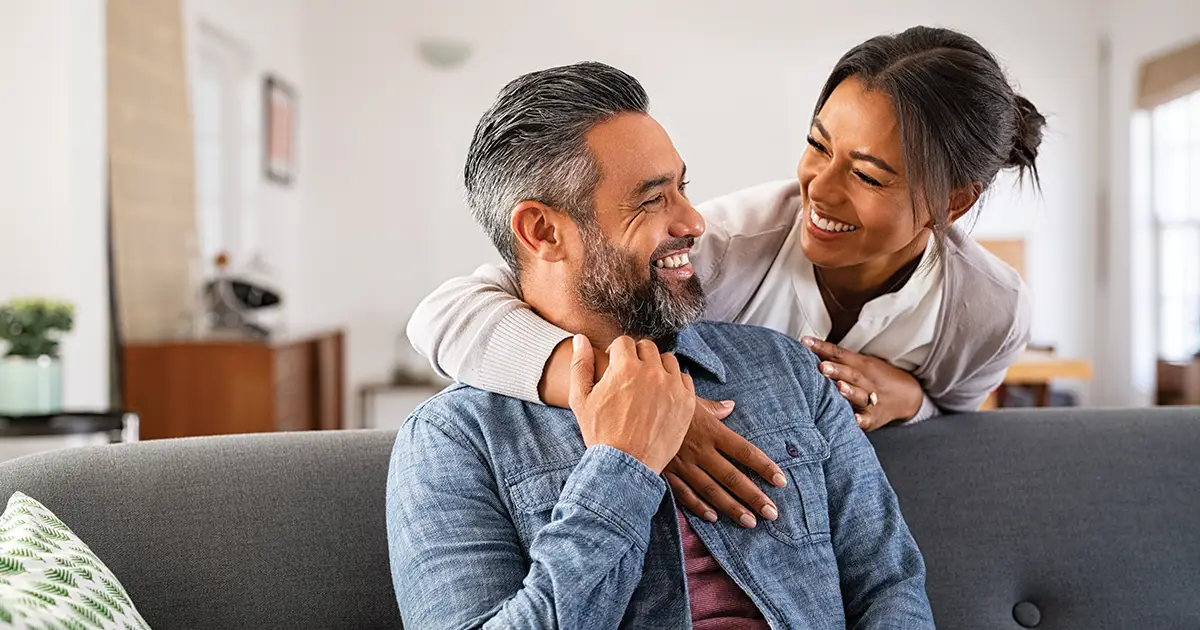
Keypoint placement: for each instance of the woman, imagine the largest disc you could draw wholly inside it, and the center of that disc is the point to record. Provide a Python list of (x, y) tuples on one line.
[(858, 258)]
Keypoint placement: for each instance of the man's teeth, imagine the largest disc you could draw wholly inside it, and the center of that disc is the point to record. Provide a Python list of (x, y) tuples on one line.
[(830, 226), (672, 262)]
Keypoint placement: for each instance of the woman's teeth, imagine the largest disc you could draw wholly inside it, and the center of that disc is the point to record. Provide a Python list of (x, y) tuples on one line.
[(672, 262), (830, 225)]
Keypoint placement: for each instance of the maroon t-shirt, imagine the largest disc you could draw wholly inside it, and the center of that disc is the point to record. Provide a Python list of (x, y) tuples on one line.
[(718, 603)]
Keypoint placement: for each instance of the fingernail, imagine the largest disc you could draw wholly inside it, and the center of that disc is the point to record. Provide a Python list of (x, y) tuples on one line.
[(728, 404), (827, 369), (779, 480), (578, 341), (808, 341), (770, 513), (860, 420), (748, 521), (711, 517), (845, 388)]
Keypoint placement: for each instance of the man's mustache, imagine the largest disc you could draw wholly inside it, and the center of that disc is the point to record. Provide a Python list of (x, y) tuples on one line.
[(673, 245)]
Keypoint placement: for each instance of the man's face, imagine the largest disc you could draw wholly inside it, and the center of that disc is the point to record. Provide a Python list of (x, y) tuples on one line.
[(635, 265)]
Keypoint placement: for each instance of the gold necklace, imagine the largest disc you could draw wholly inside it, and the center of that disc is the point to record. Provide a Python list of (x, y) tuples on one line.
[(824, 287)]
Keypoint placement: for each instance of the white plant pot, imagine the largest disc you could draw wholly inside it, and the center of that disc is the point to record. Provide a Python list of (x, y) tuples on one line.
[(30, 386)]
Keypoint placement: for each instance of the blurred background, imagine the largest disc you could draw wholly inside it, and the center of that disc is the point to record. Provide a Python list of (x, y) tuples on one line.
[(170, 168)]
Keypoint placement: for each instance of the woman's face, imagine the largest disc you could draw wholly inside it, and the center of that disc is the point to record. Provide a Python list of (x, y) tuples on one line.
[(852, 180)]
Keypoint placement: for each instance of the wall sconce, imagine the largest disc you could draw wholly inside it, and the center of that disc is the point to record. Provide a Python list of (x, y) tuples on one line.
[(444, 54)]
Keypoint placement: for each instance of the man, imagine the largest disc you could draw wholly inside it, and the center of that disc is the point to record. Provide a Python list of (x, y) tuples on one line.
[(505, 514)]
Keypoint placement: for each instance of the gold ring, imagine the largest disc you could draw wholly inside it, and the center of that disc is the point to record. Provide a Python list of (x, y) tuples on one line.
[(872, 399)]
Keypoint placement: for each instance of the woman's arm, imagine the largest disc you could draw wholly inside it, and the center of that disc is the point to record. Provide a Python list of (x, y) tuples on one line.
[(972, 390), (476, 330)]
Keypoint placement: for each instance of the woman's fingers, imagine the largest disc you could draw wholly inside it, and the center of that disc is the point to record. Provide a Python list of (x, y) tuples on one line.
[(743, 488), (712, 492), (843, 372), (742, 451), (859, 398), (868, 421), (689, 499), (829, 351)]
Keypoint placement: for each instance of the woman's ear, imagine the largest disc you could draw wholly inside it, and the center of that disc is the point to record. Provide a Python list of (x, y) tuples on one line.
[(963, 199), (539, 231)]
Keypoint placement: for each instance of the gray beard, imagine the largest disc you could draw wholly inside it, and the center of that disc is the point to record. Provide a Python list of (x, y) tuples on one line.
[(612, 285)]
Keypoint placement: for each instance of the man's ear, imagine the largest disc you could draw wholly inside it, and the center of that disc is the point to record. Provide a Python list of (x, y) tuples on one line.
[(963, 199), (540, 231)]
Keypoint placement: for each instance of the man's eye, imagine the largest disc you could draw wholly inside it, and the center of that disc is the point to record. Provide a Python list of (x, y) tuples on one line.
[(654, 202)]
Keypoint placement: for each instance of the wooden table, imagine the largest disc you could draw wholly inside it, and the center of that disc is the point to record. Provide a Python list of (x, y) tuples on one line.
[(1036, 369)]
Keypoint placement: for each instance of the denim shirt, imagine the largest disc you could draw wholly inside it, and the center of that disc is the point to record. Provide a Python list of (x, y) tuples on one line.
[(499, 516)]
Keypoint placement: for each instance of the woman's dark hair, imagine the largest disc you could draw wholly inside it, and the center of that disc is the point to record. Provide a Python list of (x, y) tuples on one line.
[(960, 119)]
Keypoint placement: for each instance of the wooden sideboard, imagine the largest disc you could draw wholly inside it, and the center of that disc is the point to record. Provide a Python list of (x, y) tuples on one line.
[(192, 387)]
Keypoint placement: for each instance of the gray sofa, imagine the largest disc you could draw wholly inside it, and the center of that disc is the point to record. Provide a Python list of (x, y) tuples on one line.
[(1071, 519)]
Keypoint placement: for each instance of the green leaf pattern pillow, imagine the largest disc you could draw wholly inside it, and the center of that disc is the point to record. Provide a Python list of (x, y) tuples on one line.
[(50, 579)]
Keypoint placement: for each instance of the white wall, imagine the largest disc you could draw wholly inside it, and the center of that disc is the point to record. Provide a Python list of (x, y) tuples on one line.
[(1140, 30), (385, 136), (52, 176), (267, 32)]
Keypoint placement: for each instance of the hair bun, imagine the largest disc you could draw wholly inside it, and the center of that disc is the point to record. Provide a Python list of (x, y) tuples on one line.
[(1028, 137)]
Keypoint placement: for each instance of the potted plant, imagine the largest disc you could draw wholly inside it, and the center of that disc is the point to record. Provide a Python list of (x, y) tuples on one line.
[(31, 371)]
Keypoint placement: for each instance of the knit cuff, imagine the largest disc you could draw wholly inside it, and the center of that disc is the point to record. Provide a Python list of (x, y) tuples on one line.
[(517, 353)]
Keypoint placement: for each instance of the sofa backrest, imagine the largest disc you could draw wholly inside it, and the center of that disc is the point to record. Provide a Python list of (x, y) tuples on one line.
[(1085, 519), (1082, 519), (282, 530)]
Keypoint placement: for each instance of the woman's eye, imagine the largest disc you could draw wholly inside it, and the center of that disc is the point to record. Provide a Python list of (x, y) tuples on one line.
[(812, 142), (868, 179)]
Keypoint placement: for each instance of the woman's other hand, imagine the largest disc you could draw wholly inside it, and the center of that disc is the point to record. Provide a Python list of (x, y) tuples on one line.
[(896, 394)]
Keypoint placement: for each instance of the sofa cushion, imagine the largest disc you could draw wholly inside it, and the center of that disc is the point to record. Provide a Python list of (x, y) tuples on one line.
[(50, 578)]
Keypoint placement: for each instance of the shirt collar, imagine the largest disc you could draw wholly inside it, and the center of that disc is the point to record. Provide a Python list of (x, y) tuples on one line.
[(691, 346)]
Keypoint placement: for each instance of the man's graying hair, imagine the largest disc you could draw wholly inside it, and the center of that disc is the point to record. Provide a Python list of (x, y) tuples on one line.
[(531, 145)]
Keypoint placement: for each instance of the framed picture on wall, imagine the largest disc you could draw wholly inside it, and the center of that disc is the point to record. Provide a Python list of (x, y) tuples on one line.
[(279, 130)]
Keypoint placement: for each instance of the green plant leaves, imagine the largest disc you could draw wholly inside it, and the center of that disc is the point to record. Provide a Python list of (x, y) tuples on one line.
[(31, 326)]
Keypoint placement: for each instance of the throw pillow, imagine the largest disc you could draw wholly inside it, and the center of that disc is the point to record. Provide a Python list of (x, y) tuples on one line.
[(50, 579)]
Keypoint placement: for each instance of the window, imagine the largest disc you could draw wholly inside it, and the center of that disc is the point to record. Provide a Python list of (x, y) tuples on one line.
[(218, 96), (1173, 133)]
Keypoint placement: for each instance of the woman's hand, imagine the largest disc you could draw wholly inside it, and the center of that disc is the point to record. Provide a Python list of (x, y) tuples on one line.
[(897, 394), (702, 476)]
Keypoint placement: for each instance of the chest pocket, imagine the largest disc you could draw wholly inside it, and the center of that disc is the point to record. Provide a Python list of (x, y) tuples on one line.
[(534, 498), (804, 504)]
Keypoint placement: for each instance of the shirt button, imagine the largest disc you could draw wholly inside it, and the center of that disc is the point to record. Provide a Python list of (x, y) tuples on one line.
[(1027, 614), (792, 450)]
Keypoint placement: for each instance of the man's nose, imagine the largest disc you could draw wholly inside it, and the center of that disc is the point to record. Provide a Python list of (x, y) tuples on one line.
[(686, 221)]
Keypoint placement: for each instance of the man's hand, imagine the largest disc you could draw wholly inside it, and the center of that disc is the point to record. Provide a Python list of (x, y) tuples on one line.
[(642, 405), (897, 395)]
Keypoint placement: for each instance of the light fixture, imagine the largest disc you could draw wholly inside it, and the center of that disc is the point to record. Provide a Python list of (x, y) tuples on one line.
[(443, 53)]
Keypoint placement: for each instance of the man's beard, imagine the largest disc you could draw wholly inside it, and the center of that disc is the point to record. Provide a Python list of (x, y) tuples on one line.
[(613, 283)]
